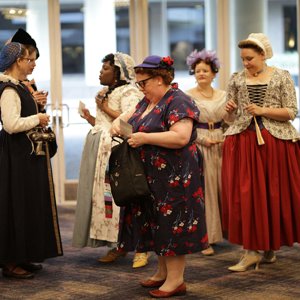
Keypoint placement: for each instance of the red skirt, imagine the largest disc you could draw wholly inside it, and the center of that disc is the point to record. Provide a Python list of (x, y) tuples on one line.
[(261, 191)]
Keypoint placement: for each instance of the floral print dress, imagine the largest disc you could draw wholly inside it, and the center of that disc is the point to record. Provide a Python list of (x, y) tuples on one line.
[(173, 223)]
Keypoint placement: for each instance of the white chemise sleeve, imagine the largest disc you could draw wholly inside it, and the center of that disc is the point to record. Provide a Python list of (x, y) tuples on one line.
[(10, 105)]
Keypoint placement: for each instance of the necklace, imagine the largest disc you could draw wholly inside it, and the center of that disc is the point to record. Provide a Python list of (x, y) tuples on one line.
[(260, 71), (203, 94)]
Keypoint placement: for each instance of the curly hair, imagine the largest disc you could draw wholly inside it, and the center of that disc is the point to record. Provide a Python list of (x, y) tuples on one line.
[(166, 74)]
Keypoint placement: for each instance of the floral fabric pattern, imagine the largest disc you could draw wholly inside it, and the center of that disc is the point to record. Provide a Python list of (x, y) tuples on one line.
[(174, 222), (280, 93)]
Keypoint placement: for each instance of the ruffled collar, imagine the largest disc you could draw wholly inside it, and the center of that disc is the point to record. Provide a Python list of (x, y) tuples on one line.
[(7, 78)]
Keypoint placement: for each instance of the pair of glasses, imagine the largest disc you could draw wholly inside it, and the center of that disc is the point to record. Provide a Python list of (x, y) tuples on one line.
[(142, 83), (29, 60)]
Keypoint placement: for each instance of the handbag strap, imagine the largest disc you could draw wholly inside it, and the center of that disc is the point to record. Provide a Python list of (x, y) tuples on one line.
[(117, 139)]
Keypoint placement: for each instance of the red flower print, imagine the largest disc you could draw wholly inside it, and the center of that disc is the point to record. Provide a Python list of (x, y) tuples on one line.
[(170, 253), (204, 239), (160, 163), (192, 228), (190, 113), (170, 99), (198, 193), (177, 230), (186, 182), (166, 209), (174, 183)]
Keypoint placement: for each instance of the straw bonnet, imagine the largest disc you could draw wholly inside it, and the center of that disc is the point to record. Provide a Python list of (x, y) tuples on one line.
[(260, 40)]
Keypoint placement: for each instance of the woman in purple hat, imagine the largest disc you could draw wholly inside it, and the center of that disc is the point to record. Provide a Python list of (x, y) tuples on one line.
[(164, 126)]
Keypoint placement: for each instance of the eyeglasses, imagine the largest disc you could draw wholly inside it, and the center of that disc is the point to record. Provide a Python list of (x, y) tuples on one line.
[(142, 83), (29, 60)]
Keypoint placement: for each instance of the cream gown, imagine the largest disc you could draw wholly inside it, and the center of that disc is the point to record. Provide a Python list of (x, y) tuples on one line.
[(212, 111)]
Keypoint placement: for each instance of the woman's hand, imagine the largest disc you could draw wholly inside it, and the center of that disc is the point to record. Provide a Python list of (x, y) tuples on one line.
[(137, 139), (208, 142), (85, 114), (40, 97), (115, 127), (254, 110), (102, 104), (44, 119), (101, 100), (230, 106)]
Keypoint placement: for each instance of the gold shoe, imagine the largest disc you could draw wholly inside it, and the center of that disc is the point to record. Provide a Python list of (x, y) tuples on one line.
[(112, 255), (140, 260), (209, 251), (245, 262), (269, 257)]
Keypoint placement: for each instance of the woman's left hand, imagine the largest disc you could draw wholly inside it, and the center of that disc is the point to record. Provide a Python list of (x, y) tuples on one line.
[(102, 104), (40, 97), (137, 139), (254, 110)]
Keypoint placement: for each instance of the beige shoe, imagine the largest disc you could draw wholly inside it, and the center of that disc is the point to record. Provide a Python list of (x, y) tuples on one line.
[(269, 257), (246, 261), (209, 251), (140, 260), (112, 255)]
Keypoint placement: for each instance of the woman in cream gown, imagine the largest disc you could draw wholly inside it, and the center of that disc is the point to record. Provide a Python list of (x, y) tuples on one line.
[(97, 217), (204, 65)]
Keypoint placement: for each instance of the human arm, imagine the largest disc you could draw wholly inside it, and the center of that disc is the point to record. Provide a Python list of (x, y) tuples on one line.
[(102, 104), (279, 114), (11, 114), (206, 141), (87, 116), (40, 98), (115, 127), (176, 137)]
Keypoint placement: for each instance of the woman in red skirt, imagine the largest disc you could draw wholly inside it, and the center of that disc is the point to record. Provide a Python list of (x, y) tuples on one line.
[(261, 158)]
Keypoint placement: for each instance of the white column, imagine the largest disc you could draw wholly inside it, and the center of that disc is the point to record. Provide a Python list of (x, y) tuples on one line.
[(211, 24), (99, 36), (223, 42), (37, 27), (139, 29), (159, 29), (247, 17)]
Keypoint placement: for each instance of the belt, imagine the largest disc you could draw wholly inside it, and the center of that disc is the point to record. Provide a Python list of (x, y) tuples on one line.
[(209, 125)]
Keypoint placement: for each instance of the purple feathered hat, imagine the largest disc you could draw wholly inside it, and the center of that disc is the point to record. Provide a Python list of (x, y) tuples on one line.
[(208, 56)]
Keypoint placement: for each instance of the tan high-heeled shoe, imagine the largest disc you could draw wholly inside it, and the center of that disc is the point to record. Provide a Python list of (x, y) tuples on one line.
[(246, 261)]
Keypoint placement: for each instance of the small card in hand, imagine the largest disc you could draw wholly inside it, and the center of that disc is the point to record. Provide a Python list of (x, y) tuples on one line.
[(125, 128), (81, 107)]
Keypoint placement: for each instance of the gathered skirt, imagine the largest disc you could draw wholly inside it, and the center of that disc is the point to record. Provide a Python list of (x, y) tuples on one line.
[(261, 191)]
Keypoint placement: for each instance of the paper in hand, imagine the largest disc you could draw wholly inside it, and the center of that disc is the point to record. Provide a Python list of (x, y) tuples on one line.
[(125, 128), (80, 108)]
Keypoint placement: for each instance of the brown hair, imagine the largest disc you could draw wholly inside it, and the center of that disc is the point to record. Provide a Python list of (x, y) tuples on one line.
[(27, 50), (251, 46), (166, 75), (210, 63)]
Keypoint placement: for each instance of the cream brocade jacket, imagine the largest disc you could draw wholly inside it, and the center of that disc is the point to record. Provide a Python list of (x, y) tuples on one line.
[(280, 93)]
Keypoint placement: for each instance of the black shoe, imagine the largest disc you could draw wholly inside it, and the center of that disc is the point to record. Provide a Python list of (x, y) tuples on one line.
[(10, 273), (30, 267)]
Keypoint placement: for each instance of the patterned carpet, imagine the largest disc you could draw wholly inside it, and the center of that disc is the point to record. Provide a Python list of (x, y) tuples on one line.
[(78, 275)]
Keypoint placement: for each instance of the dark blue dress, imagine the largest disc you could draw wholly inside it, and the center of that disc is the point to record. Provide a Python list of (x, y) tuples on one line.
[(173, 223)]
